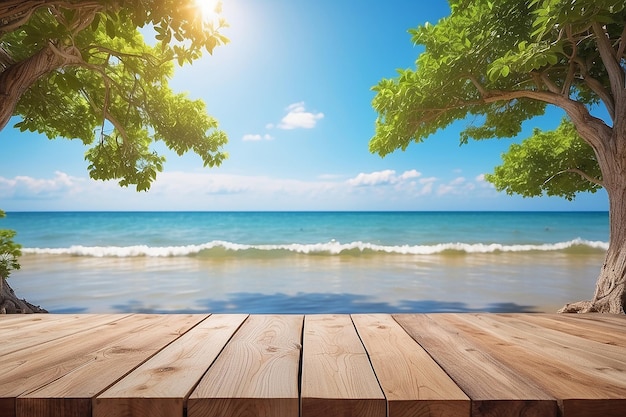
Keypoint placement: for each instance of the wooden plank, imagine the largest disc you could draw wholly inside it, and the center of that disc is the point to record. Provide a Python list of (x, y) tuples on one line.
[(494, 388), (256, 374), (109, 361), (598, 360), (577, 359), (149, 390), (337, 378), (600, 318), (14, 321), (412, 382), (563, 370), (41, 331), (590, 330), (608, 324), (30, 368)]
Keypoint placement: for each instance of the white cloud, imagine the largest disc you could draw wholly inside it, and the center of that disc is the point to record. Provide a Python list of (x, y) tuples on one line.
[(445, 189), (374, 178), (427, 188), (329, 177), (385, 177), (457, 186), (427, 185), (410, 174), (256, 137), (428, 180), (298, 117), (25, 187)]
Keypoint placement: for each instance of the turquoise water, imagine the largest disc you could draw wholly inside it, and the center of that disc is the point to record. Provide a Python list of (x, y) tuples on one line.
[(303, 262)]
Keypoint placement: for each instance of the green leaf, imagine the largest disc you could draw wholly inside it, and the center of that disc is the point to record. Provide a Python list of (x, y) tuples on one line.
[(110, 28), (95, 22)]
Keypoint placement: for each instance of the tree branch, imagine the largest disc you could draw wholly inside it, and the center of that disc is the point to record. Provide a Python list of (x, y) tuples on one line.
[(117, 125), (592, 129), (552, 87), (106, 115), (6, 60), (15, 13), (569, 78), (610, 61), (597, 87), (580, 172), (622, 44), (571, 67), (151, 59), (13, 16), (545, 96), (69, 56), (481, 90)]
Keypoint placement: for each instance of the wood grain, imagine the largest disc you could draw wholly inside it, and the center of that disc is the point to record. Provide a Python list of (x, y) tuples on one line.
[(561, 368), (256, 374), (33, 367), (149, 391), (38, 331), (494, 388), (337, 378), (610, 334), (139, 365), (15, 321), (102, 366), (413, 383)]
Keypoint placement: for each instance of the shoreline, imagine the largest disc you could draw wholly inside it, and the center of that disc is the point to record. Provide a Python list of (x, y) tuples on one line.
[(308, 284)]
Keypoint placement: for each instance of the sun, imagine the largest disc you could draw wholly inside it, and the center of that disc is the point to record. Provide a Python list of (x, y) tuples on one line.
[(210, 9)]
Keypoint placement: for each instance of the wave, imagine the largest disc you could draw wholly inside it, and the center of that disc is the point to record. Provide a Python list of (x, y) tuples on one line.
[(222, 248)]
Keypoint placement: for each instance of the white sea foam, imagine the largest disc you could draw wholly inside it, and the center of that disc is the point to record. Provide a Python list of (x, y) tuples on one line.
[(332, 248)]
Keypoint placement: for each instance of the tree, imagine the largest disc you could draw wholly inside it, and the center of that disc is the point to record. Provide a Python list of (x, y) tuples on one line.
[(81, 69), (502, 63)]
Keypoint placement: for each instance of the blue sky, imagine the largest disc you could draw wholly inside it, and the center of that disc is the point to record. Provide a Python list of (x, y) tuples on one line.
[(293, 93)]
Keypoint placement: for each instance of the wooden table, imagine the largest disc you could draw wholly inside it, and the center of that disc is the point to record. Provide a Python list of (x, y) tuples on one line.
[(365, 365)]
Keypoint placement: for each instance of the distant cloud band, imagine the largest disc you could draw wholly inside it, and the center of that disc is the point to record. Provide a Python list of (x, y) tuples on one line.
[(387, 176), (256, 137), (385, 189)]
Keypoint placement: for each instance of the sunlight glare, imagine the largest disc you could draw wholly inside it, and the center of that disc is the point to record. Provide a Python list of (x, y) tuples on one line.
[(211, 10)]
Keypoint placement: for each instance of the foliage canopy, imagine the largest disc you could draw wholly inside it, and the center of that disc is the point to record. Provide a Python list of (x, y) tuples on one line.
[(501, 63), (83, 70)]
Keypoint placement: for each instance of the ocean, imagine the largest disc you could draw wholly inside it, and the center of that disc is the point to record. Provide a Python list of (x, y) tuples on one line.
[(307, 262)]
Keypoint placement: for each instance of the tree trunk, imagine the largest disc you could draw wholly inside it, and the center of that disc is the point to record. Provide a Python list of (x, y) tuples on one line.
[(18, 77), (10, 304), (610, 293)]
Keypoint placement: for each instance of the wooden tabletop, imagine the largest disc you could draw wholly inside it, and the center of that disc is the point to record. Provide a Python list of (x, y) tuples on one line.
[(361, 365)]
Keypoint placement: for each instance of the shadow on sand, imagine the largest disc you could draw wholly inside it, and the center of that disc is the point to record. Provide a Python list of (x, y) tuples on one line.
[(318, 303)]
